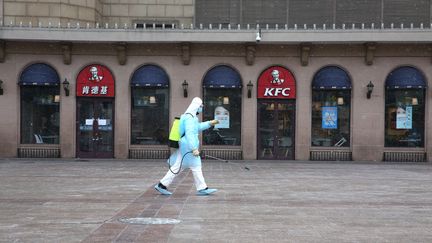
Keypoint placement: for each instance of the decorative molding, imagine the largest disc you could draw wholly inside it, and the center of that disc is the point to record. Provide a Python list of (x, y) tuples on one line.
[(370, 48), (305, 49), (67, 52), (2, 51), (250, 54), (186, 53), (121, 53)]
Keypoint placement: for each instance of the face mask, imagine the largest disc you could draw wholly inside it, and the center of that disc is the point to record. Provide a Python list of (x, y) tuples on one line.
[(199, 110)]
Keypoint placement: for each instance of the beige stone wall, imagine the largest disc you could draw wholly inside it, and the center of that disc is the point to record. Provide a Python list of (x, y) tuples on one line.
[(367, 117), (44, 12), (1, 11), (96, 11)]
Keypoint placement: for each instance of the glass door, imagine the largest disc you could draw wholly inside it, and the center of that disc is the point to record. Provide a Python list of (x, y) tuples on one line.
[(95, 128), (276, 129)]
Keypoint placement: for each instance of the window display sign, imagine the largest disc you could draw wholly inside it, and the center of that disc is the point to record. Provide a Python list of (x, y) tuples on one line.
[(329, 117), (276, 82), (404, 118), (222, 115), (95, 81)]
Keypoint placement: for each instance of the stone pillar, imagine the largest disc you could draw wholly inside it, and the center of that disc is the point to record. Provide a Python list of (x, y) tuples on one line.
[(305, 53), (370, 48), (185, 53), (2, 51), (250, 54), (67, 53), (121, 53)]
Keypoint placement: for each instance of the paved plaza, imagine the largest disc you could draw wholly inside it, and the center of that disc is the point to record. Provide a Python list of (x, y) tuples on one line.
[(45, 200)]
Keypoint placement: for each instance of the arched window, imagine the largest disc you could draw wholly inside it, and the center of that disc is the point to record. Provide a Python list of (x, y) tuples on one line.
[(405, 108), (40, 99), (150, 106), (331, 108), (223, 101)]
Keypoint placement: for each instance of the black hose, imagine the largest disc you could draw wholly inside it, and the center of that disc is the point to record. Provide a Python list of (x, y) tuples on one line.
[(181, 162)]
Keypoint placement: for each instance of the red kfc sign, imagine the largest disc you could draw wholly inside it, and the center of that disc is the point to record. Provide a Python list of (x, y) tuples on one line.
[(95, 81), (276, 82)]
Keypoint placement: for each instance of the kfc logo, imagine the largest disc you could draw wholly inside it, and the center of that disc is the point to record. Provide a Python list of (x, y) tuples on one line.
[(276, 79), (276, 82), (277, 91), (95, 81), (94, 75)]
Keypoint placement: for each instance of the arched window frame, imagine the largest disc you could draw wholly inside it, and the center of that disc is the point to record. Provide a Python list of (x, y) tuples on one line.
[(40, 104), (405, 99), (222, 97), (149, 106), (331, 108)]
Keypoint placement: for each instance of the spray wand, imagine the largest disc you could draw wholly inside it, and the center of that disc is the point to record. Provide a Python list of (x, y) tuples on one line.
[(224, 160)]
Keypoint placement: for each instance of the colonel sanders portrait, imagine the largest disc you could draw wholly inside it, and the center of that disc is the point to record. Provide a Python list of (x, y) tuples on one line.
[(276, 79), (95, 75)]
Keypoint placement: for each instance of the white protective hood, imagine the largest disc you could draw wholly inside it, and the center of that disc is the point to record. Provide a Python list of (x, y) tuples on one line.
[(194, 105)]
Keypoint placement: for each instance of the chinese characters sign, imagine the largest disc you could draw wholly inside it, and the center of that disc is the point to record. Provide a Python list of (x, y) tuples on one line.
[(276, 82), (329, 117), (95, 81)]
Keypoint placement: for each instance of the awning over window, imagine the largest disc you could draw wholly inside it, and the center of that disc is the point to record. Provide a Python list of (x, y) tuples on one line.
[(222, 77), (406, 78), (39, 74), (331, 77), (150, 76)]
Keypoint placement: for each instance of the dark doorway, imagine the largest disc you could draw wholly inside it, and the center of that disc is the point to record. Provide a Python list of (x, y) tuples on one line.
[(276, 128), (95, 128)]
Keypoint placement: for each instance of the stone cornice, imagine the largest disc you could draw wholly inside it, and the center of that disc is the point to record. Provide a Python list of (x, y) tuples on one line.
[(216, 36)]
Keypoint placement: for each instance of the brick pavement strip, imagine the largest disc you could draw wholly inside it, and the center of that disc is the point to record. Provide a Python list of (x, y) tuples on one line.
[(72, 201), (155, 207)]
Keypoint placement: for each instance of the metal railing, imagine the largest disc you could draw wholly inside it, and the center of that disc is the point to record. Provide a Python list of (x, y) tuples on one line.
[(38, 153), (330, 155), (226, 154), (404, 157), (149, 153), (232, 27)]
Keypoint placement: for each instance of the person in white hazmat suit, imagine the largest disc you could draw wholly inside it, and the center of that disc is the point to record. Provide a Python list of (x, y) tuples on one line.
[(188, 150)]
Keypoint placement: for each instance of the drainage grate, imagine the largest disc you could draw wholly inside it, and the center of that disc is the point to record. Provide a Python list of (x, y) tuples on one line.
[(149, 221)]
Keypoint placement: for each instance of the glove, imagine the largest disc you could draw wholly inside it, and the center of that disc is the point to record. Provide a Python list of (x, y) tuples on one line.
[(195, 152), (214, 122)]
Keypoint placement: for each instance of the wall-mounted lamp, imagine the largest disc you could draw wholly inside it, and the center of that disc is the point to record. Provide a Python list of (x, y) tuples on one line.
[(414, 101), (1, 87), (370, 87), (340, 100), (249, 89), (185, 88), (66, 87)]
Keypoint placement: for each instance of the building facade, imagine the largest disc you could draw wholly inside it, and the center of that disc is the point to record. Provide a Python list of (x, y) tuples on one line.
[(344, 80)]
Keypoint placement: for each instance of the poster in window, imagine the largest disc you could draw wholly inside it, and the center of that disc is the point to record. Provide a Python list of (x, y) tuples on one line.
[(329, 117), (222, 115), (404, 118)]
